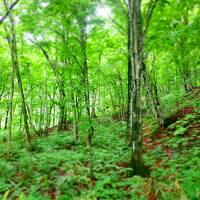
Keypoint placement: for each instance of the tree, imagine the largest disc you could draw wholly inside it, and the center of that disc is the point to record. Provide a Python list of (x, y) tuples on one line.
[(14, 57), (136, 40)]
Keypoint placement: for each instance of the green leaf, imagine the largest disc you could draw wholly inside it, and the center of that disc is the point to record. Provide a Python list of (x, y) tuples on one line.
[(180, 131)]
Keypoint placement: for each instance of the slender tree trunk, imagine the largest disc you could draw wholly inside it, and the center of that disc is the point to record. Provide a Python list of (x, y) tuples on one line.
[(53, 107), (1, 95), (185, 64), (136, 40), (11, 110), (187, 79), (10, 104), (85, 80), (114, 107), (129, 108), (94, 106), (62, 124), (14, 56), (7, 114), (20, 122), (154, 102), (135, 134), (41, 116), (122, 104), (75, 124), (75, 113), (49, 107)]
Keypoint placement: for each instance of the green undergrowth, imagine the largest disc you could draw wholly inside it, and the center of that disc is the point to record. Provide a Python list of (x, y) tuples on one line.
[(59, 169), (173, 155)]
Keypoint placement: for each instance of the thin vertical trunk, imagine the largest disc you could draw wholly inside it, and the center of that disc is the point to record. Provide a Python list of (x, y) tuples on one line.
[(48, 118), (7, 114), (86, 90), (135, 134), (41, 115), (54, 113), (53, 106), (130, 52), (1, 95), (75, 122), (11, 110), (157, 99), (187, 79), (186, 68), (114, 108), (75, 113), (48, 108), (122, 102), (136, 40), (195, 74), (14, 56), (62, 124), (154, 102), (20, 122)]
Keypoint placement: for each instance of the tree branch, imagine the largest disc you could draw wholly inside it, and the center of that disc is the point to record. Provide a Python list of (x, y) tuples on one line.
[(150, 10), (77, 61), (8, 11), (49, 60), (124, 31)]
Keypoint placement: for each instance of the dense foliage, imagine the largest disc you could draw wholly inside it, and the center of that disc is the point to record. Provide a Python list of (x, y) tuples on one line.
[(67, 83)]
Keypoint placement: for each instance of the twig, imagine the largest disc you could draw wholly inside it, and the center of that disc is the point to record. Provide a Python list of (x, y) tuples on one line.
[(119, 25), (8, 11), (150, 10)]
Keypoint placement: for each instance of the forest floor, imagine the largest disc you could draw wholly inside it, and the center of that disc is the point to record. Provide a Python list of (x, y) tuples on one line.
[(58, 169)]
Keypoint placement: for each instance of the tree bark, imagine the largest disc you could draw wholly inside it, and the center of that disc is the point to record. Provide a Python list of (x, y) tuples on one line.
[(7, 114), (85, 81), (135, 56), (75, 113), (62, 124), (136, 41), (14, 57), (187, 79), (11, 108)]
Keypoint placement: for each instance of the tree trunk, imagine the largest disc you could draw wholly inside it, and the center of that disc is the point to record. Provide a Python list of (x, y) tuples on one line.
[(1, 95), (62, 124), (187, 79), (154, 102), (6, 119), (11, 110), (129, 107), (135, 110), (136, 40), (85, 81), (75, 113), (14, 56)]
